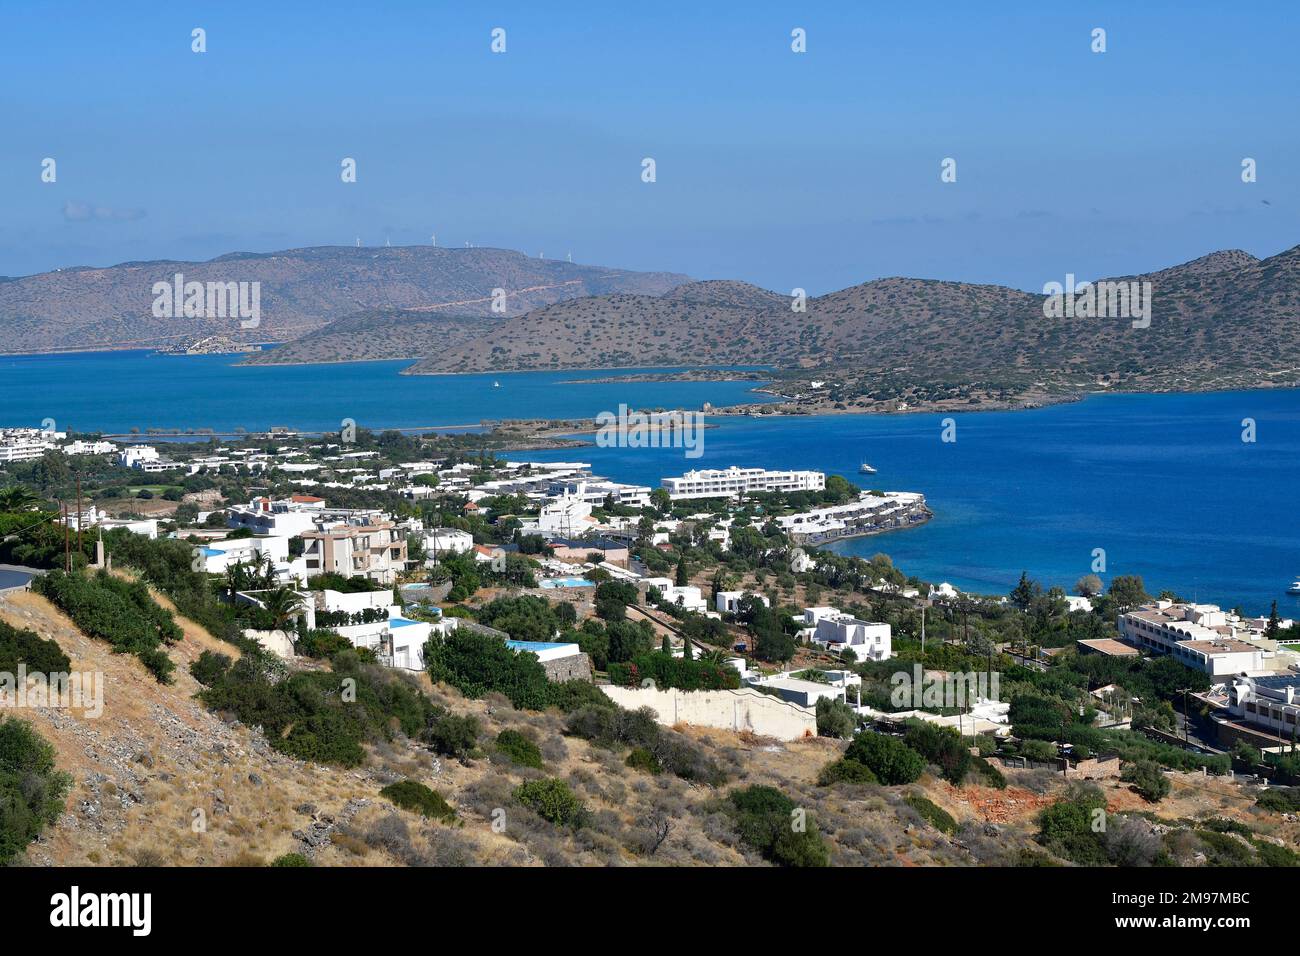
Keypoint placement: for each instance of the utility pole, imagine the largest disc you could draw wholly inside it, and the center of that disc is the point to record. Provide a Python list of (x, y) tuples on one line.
[(79, 551), (67, 540), (922, 628)]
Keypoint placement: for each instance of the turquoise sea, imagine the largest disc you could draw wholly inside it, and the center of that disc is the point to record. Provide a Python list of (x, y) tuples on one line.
[(1163, 484)]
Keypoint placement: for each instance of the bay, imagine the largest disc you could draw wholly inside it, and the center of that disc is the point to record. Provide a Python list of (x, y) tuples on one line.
[(1163, 484)]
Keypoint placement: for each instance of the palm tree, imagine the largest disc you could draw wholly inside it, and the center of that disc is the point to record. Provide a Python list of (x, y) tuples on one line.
[(17, 498), (281, 604), (265, 567), (236, 579)]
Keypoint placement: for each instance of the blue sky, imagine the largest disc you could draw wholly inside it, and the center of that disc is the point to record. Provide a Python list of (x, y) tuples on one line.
[(817, 170)]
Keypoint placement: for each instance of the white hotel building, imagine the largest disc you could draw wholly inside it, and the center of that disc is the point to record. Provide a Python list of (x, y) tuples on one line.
[(1199, 635), (729, 482)]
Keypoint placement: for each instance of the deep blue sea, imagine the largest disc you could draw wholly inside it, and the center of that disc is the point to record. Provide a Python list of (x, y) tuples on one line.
[(1163, 483)]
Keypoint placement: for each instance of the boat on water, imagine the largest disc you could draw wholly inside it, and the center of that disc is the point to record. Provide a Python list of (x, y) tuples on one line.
[(496, 384), (866, 469), (1294, 588)]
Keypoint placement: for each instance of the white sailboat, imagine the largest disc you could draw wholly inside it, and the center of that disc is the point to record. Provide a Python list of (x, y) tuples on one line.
[(1294, 588), (866, 469)]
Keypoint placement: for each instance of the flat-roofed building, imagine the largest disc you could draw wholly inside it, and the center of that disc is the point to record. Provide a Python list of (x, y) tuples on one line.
[(1109, 647), (1270, 703), (1199, 635), (733, 481), (374, 550)]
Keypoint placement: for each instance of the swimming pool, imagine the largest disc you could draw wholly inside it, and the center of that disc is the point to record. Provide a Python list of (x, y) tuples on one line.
[(567, 583)]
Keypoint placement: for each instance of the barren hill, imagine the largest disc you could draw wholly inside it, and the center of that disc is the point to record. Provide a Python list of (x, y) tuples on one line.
[(301, 290)]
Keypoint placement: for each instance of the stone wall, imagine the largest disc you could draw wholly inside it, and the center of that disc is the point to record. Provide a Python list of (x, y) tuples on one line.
[(573, 667), (745, 709)]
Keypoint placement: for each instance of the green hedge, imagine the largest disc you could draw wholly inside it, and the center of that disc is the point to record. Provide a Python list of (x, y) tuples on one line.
[(668, 671), (125, 617)]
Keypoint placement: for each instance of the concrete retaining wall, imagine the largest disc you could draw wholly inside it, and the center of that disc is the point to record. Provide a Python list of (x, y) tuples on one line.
[(744, 709)]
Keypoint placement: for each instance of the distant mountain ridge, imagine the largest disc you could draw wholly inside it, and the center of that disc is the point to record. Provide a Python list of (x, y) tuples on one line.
[(1223, 320), (301, 290)]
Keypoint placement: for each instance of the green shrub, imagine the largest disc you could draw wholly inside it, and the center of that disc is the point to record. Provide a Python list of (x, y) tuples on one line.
[(1270, 854), (845, 771), (291, 859), (570, 695), (477, 664), (308, 715), (890, 759), (1279, 799), (519, 749), (552, 800), (27, 647), (1147, 780), (989, 775), (1224, 849), (1040, 750), (941, 746), (32, 791), (1068, 827), (931, 813), (415, 796), (835, 718), (453, 735), (642, 759), (772, 824), (1222, 825), (210, 667), (676, 754)]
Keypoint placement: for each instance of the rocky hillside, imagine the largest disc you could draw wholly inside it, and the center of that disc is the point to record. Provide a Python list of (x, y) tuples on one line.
[(376, 335), (160, 780), (1224, 319), (301, 290)]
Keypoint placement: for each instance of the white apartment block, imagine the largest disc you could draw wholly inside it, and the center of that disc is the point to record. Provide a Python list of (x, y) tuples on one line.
[(1270, 703), (687, 596), (27, 444), (1199, 635), (89, 448), (441, 542), (728, 602), (360, 547), (835, 631), (566, 516), (733, 481), (23, 448), (287, 518), (594, 491), (133, 456)]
